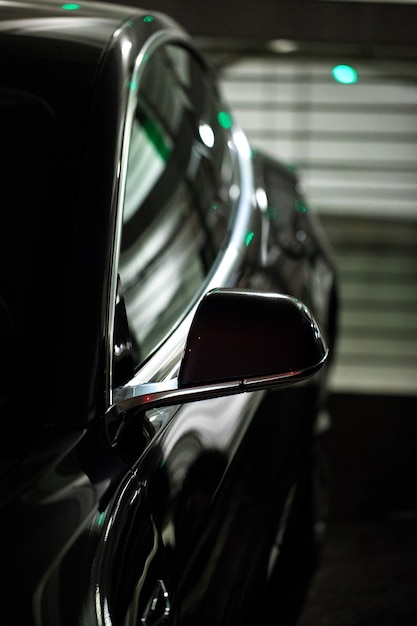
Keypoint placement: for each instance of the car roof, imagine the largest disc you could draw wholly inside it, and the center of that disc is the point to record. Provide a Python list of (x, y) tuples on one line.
[(14, 9), (88, 26)]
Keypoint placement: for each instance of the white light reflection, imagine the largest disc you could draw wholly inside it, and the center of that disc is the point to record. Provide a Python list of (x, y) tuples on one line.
[(126, 47), (261, 199), (234, 192), (206, 135)]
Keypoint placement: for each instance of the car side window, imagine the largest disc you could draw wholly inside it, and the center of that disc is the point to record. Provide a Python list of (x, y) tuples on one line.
[(177, 205)]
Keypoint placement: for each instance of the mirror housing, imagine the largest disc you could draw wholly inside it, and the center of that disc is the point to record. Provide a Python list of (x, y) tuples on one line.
[(238, 341), (248, 335)]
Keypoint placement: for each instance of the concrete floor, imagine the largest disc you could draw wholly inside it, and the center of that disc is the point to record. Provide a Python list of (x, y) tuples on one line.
[(368, 572)]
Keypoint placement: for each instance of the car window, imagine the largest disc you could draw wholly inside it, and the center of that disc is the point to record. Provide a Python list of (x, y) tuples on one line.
[(177, 205)]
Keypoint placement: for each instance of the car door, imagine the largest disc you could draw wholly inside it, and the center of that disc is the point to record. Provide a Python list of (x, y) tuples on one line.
[(187, 208), (188, 535)]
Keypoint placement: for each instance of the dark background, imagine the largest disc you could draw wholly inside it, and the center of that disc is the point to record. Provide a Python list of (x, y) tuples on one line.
[(376, 28), (368, 573)]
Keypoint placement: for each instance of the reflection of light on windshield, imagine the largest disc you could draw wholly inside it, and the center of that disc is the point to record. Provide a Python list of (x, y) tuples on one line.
[(224, 119), (261, 199), (70, 6), (300, 207), (249, 237), (206, 135), (146, 163), (234, 192)]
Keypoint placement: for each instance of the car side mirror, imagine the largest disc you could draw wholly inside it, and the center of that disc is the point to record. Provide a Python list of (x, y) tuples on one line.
[(238, 341), (257, 338)]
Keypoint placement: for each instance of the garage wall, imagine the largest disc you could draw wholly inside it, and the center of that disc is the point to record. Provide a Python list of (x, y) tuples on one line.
[(355, 146)]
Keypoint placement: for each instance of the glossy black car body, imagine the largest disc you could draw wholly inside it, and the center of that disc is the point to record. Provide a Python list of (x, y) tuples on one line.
[(166, 308)]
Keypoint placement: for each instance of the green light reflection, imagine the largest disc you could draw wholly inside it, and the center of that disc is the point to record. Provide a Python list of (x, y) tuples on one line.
[(272, 212), (300, 207), (344, 74), (224, 119), (249, 237)]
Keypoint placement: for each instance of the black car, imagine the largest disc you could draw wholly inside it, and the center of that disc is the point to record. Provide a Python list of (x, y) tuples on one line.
[(167, 308)]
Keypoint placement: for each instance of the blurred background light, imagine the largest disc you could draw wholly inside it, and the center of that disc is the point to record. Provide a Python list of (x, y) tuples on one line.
[(344, 74)]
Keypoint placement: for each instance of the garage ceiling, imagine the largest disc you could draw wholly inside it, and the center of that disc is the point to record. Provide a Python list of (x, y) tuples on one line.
[(373, 28)]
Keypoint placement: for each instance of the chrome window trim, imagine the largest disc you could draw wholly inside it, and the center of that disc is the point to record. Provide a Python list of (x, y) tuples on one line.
[(164, 363), (131, 84)]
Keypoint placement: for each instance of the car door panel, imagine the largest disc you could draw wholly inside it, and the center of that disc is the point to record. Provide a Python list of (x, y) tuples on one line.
[(211, 484)]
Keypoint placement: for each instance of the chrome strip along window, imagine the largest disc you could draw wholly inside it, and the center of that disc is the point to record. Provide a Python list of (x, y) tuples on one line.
[(182, 188)]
